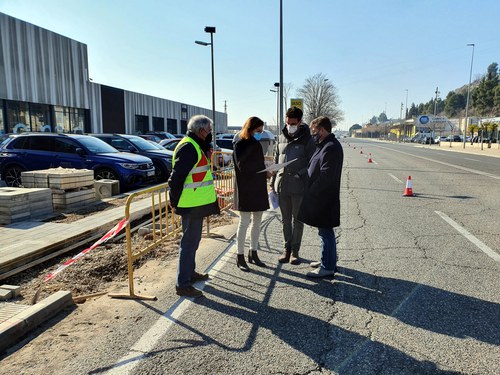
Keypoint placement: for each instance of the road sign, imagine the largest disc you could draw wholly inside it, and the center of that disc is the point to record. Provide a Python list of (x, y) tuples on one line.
[(299, 103)]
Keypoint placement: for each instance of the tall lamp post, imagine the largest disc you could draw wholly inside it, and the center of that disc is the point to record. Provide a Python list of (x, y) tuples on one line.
[(211, 31), (468, 94)]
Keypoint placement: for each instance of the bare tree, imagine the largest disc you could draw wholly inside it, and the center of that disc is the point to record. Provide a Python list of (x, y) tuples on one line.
[(320, 98), (287, 88)]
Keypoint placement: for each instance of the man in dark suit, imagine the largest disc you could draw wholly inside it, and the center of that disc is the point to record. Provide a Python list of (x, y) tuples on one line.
[(321, 204)]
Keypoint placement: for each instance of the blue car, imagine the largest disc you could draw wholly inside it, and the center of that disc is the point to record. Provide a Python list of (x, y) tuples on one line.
[(36, 151), (162, 159)]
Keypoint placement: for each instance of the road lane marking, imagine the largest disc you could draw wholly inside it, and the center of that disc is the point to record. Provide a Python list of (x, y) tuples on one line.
[(476, 241), (150, 339), (394, 177), (471, 159), (444, 163)]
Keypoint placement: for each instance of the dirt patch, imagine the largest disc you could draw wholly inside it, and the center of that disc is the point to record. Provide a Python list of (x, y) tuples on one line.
[(98, 270)]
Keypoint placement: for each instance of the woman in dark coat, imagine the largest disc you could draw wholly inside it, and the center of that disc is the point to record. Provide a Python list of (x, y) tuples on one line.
[(250, 191), (321, 204)]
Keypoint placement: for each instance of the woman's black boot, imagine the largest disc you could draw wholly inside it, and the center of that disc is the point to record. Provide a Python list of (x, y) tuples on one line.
[(254, 258), (242, 265)]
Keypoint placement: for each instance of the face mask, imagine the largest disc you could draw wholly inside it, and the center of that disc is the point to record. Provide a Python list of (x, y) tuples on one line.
[(316, 137), (208, 139), (257, 136), (291, 129)]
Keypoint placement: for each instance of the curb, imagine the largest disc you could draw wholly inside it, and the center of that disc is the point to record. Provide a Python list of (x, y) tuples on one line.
[(14, 328)]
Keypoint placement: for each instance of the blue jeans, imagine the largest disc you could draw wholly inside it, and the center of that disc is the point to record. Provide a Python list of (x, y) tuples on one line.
[(328, 248), (191, 237)]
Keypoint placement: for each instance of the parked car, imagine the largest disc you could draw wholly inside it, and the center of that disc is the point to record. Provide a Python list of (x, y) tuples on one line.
[(454, 138), (150, 137), (35, 151), (427, 141), (225, 140), (162, 159), (169, 144), (160, 134)]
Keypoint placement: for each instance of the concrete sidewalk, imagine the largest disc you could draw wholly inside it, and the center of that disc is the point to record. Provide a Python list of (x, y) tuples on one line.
[(23, 242)]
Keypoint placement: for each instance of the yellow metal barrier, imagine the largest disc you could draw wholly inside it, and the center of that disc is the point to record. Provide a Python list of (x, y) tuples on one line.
[(165, 225)]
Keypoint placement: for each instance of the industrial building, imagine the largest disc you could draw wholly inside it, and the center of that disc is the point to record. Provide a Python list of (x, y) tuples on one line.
[(45, 87)]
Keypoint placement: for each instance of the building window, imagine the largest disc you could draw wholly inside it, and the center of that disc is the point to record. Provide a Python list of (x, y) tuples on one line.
[(141, 124), (17, 117), (172, 125), (158, 124), (70, 120)]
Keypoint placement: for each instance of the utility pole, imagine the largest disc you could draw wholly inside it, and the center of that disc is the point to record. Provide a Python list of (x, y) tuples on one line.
[(406, 106), (435, 101)]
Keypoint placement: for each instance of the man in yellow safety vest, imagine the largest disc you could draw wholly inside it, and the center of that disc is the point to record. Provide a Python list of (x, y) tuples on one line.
[(192, 195)]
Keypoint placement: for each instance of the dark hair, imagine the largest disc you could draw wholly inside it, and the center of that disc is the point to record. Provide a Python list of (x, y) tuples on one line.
[(322, 122), (294, 112), (250, 124)]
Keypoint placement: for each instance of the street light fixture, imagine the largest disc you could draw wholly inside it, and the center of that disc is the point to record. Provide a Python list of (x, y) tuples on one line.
[(468, 93), (277, 91), (211, 31)]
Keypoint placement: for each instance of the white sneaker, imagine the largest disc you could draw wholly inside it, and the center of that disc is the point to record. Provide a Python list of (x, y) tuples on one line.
[(315, 264), (320, 272)]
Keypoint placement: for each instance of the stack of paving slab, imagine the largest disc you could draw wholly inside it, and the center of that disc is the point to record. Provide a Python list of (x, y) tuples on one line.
[(71, 188), (24, 204)]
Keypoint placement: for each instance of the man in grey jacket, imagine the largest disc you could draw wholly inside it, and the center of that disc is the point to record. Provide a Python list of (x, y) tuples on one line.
[(289, 183)]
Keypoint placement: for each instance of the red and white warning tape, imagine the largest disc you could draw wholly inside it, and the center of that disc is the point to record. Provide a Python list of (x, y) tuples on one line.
[(110, 234)]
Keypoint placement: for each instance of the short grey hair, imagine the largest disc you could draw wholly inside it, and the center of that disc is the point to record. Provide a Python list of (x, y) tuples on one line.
[(198, 122)]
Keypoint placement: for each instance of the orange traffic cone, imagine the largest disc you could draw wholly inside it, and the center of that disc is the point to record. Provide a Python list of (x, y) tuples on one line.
[(408, 191), (370, 158)]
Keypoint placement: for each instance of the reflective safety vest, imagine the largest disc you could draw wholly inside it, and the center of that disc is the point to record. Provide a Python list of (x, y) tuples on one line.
[(198, 189)]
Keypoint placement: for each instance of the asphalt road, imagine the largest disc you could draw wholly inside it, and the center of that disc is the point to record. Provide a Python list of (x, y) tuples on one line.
[(418, 288)]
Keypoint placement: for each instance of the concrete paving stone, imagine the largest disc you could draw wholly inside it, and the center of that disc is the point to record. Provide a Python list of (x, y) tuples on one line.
[(16, 289), (12, 329), (5, 294)]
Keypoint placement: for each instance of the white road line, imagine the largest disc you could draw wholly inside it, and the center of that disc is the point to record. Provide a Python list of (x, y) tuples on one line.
[(471, 159), (150, 339), (495, 256), (394, 177), (444, 163)]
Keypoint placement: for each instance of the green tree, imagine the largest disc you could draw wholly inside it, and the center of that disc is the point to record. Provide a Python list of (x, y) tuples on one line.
[(353, 128), (454, 104), (382, 117), (413, 111), (320, 98), (373, 120), (484, 95)]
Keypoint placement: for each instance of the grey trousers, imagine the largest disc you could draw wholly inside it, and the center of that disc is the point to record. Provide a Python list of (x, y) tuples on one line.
[(292, 228)]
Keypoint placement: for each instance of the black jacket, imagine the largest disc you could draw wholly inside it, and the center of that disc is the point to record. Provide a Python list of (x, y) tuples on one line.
[(321, 204), (250, 189), (186, 159), (293, 178)]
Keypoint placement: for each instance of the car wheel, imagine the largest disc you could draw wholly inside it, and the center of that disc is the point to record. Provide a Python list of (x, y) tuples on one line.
[(105, 174), (12, 175), (161, 174)]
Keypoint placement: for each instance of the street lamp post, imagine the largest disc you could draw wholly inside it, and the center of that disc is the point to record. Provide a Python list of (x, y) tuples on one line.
[(211, 31), (406, 105), (468, 94)]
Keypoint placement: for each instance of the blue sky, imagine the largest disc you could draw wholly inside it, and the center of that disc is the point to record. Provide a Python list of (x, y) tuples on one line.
[(373, 51)]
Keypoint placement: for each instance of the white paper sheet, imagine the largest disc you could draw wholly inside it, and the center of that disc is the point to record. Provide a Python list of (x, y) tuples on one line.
[(277, 167)]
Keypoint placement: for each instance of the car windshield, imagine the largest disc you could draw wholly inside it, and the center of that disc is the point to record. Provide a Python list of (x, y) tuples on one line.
[(156, 145), (96, 145), (141, 143)]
